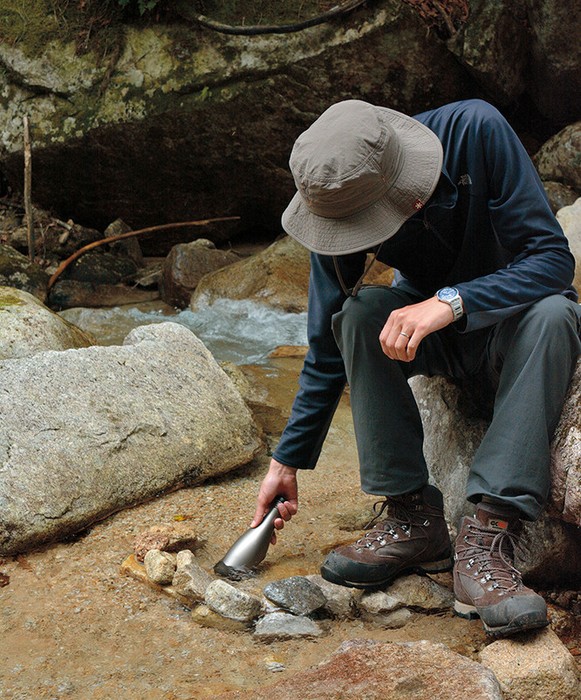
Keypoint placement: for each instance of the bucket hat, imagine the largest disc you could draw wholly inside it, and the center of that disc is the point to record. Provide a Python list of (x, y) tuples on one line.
[(361, 171)]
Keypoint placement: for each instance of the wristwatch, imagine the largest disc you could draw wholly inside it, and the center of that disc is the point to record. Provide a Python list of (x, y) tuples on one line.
[(451, 296)]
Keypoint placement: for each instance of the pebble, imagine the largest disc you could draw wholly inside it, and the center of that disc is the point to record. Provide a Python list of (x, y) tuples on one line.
[(224, 599), (208, 618), (279, 625), (190, 579), (296, 594), (159, 566)]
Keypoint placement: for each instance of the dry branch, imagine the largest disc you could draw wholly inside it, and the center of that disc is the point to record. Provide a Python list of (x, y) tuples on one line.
[(111, 239), (28, 189)]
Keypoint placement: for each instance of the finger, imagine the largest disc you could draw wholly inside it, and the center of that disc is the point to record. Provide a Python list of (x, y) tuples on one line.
[(285, 511), (279, 524)]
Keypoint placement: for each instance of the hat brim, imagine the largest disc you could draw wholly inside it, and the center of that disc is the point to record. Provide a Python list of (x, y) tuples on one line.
[(419, 175)]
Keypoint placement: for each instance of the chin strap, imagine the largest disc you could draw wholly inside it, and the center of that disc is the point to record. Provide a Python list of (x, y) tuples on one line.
[(353, 292)]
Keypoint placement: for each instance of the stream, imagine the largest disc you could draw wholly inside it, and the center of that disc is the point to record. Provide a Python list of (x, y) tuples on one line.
[(242, 332)]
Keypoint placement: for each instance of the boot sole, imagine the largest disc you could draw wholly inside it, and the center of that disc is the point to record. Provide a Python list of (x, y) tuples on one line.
[(432, 567), (521, 623)]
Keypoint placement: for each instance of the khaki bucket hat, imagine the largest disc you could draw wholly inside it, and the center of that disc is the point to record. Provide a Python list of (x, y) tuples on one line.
[(361, 171)]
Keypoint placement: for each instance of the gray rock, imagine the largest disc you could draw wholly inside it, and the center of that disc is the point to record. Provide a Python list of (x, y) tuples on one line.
[(228, 601), (296, 594), (452, 435), (160, 566), (536, 668), (378, 603), (558, 159), (17, 271), (27, 327), (341, 601), (280, 625), (185, 266), (129, 423), (190, 579), (570, 219)]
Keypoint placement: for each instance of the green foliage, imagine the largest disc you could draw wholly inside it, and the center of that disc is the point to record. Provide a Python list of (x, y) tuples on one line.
[(142, 5)]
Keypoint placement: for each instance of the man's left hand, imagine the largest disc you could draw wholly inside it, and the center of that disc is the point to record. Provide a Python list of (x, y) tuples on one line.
[(407, 327)]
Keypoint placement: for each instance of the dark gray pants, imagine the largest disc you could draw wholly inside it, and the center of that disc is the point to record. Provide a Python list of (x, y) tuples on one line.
[(527, 359)]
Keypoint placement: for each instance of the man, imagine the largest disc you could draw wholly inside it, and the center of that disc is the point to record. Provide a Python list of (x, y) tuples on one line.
[(451, 200)]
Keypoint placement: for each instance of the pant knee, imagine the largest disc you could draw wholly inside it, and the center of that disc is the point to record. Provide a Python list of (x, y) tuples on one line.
[(367, 312), (554, 318)]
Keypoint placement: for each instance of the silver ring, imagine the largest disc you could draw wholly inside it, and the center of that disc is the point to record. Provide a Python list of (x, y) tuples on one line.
[(406, 335)]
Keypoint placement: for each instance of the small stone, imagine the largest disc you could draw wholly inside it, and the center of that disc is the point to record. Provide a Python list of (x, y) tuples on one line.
[(279, 625), (379, 603), (536, 666), (205, 617), (296, 594), (341, 601), (190, 579), (168, 538), (159, 566), (420, 592), (226, 600), (390, 620)]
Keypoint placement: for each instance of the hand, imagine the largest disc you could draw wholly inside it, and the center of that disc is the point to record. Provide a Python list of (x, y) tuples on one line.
[(279, 481), (407, 327)]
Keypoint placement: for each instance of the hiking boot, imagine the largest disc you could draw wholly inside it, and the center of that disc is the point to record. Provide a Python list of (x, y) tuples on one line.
[(413, 537), (486, 583)]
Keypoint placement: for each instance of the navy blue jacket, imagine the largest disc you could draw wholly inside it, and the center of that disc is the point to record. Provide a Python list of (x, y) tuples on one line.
[(487, 230)]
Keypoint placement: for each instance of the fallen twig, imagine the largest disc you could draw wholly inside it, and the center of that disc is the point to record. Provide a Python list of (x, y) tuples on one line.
[(28, 189), (249, 30), (111, 239)]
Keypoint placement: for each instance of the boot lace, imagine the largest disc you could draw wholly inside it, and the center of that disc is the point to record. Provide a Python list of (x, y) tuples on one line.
[(399, 523), (490, 553)]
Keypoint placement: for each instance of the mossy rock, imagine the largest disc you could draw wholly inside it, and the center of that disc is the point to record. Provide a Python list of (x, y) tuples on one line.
[(17, 271)]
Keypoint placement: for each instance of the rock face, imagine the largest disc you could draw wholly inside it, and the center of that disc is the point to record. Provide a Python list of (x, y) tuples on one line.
[(279, 276), (87, 432), (376, 670), (27, 327), (185, 266)]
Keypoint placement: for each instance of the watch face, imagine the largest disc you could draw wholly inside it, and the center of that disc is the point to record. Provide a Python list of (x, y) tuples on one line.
[(447, 293)]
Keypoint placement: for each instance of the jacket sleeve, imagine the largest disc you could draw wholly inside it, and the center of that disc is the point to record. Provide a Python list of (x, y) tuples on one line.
[(322, 378), (541, 263)]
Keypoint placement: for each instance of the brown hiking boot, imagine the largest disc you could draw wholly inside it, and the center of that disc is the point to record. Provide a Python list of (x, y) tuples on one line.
[(486, 583), (413, 537)]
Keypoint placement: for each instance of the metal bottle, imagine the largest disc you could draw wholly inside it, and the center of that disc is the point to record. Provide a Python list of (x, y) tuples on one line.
[(251, 548)]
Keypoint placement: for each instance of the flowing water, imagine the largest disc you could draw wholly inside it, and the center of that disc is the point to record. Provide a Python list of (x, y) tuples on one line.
[(243, 332)]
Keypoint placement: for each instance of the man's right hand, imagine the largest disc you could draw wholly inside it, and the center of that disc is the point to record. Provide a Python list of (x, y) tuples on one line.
[(279, 481)]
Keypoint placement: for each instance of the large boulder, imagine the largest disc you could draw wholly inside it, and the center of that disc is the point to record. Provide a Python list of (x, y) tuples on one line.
[(559, 159), (278, 276), (180, 122), (452, 435), (363, 668), (87, 432), (570, 219), (27, 327)]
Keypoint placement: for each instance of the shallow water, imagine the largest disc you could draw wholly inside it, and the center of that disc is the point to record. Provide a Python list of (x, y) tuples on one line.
[(243, 332)]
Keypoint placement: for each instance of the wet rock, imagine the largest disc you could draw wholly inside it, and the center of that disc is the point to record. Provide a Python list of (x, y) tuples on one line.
[(373, 670), (296, 594), (420, 592), (535, 667), (131, 422), (205, 617), (560, 195), (160, 566), (190, 579), (452, 435), (169, 538), (17, 271), (280, 625), (570, 219), (558, 159), (185, 266), (278, 276), (341, 601), (27, 327), (224, 599)]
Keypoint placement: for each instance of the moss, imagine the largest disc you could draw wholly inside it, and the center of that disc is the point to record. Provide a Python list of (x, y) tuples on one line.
[(8, 299)]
